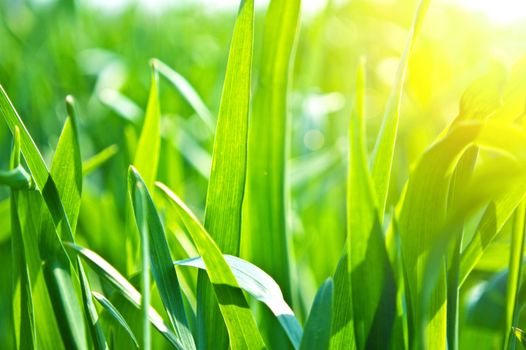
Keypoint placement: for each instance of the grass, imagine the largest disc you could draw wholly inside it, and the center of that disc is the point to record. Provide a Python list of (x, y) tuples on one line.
[(254, 229)]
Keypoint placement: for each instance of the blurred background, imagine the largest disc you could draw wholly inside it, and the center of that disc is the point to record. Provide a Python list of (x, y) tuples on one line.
[(99, 51)]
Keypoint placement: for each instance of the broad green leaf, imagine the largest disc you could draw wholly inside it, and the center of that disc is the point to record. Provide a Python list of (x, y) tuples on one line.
[(261, 286), (226, 186), (163, 271), (108, 306), (382, 157), (372, 285), (241, 326), (187, 91), (110, 274), (318, 326)]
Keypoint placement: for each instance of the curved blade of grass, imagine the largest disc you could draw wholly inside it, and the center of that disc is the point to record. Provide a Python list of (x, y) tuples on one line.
[(261, 286), (226, 186), (318, 326), (494, 218), (242, 329), (187, 91), (422, 216), (163, 271), (382, 156), (514, 276), (16, 178), (111, 275), (108, 306), (98, 159)]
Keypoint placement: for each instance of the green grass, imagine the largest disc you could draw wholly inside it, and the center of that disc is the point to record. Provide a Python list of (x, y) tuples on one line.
[(269, 187)]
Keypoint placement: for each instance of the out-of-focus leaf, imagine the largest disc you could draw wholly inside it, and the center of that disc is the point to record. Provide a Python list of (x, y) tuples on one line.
[(98, 159), (187, 91), (382, 157)]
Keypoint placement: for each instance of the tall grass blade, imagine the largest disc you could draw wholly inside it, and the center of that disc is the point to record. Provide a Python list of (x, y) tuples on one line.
[(265, 237), (163, 271), (227, 178), (382, 157)]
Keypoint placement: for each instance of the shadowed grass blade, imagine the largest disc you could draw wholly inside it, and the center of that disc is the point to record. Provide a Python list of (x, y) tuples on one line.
[(261, 286), (318, 326)]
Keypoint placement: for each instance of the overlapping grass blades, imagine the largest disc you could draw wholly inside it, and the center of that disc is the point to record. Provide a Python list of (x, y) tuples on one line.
[(242, 329), (161, 264)]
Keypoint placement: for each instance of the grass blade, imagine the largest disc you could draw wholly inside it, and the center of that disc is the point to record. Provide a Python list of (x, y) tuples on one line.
[(163, 271), (382, 157), (227, 179), (187, 91), (108, 306), (318, 326), (242, 329)]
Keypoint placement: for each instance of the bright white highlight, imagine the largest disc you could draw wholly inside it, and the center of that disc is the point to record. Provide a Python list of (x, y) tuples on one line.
[(499, 11)]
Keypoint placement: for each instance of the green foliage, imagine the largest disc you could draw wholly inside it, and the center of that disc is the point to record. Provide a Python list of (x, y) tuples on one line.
[(335, 202)]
